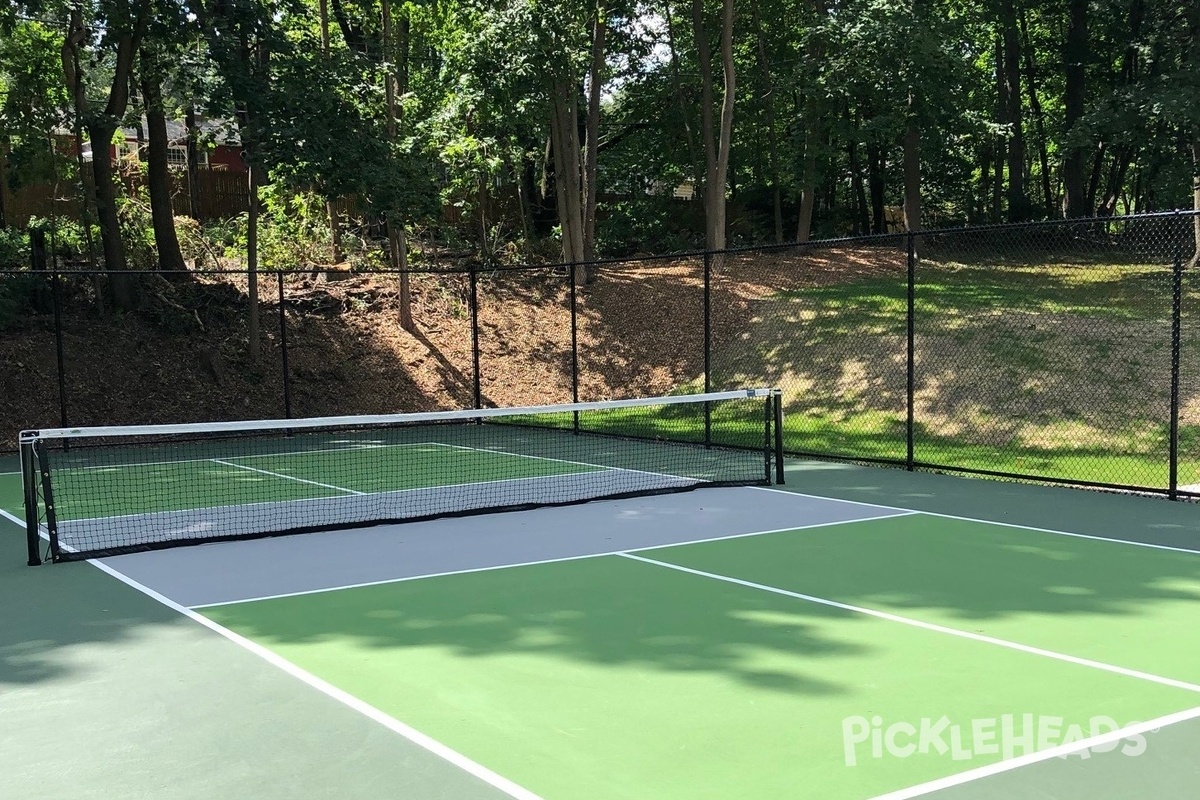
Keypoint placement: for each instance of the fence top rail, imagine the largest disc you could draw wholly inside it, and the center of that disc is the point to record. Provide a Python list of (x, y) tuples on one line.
[(815, 244)]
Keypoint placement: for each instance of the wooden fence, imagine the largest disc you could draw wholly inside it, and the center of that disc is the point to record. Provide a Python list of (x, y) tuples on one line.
[(219, 195)]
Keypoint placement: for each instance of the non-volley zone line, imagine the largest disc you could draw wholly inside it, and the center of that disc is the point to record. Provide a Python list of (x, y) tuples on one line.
[(540, 562), (929, 626)]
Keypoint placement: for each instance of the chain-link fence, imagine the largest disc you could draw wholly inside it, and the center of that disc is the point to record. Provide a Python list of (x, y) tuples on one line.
[(824, 322), (1065, 351)]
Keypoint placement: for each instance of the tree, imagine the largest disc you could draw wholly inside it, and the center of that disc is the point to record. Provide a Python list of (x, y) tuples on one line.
[(166, 239), (717, 144), (1075, 58), (119, 30)]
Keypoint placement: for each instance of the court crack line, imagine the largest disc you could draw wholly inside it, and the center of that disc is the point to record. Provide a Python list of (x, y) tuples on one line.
[(929, 626)]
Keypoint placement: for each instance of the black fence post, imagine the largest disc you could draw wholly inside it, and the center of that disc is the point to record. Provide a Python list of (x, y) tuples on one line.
[(574, 348), (477, 387), (911, 378), (1176, 345), (56, 295), (707, 345), (283, 349)]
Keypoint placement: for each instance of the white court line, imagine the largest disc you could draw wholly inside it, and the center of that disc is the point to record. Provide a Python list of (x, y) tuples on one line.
[(561, 460), (499, 567), (929, 626), (1016, 525), (248, 455), (1029, 759), (332, 498), (287, 477), (391, 723), (10, 517)]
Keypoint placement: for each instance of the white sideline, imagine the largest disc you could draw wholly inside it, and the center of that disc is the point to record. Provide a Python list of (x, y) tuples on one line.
[(1063, 750), (929, 626), (1016, 525), (391, 723)]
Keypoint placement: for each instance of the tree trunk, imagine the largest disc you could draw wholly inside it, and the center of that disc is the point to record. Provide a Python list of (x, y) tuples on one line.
[(1075, 203), (876, 168), (1039, 116), (104, 176), (193, 162), (252, 336), (4, 143), (707, 132), (592, 151), (335, 227), (726, 142), (1115, 183), (1093, 186), (397, 243), (1010, 68), (684, 105), (1196, 198), (768, 98), (564, 129), (912, 171), (158, 172), (812, 134), (101, 128), (862, 224)]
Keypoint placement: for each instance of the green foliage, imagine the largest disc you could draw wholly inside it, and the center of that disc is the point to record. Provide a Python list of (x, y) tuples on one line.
[(21, 294), (65, 236), (651, 224), (14, 249), (32, 103)]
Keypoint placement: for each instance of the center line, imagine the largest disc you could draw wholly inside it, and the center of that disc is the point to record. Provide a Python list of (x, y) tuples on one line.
[(286, 477), (929, 626)]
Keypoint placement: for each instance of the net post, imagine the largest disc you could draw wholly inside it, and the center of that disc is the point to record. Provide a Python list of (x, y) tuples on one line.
[(768, 418), (283, 349), (29, 479), (707, 345), (39, 450), (476, 380), (777, 409), (574, 349), (910, 389), (1176, 346)]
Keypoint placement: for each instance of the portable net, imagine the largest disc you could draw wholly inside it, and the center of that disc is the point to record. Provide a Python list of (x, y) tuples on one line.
[(109, 490)]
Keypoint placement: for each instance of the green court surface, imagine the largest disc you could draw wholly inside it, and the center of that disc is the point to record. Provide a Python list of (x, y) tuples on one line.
[(612, 677), (774, 665)]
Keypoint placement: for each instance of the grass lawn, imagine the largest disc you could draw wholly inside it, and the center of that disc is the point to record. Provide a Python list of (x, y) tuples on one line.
[(1054, 370)]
